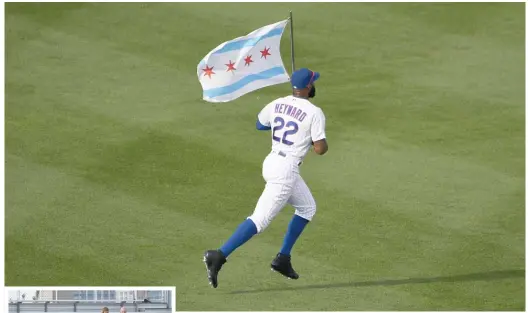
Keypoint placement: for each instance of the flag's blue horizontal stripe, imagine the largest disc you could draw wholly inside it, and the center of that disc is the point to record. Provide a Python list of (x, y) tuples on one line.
[(220, 91), (237, 45)]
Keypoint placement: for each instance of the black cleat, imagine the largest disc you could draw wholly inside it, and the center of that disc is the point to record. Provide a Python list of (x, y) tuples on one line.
[(282, 264), (213, 259)]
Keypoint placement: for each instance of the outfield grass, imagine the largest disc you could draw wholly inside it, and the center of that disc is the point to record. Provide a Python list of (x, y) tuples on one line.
[(117, 173)]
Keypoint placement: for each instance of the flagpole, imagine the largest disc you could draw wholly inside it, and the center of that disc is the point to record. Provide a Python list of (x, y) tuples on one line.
[(291, 40)]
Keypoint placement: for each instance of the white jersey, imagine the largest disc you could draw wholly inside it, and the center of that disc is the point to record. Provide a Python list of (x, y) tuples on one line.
[(295, 123)]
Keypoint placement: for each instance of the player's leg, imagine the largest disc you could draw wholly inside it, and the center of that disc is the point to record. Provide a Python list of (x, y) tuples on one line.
[(280, 180), (279, 187), (304, 204), (272, 200)]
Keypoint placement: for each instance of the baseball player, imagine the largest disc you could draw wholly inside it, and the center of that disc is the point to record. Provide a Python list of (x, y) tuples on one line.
[(296, 124)]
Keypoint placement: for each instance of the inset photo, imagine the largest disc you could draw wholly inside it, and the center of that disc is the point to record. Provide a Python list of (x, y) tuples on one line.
[(91, 299)]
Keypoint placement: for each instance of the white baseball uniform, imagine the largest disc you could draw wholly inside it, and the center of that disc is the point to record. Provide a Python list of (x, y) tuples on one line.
[(295, 123)]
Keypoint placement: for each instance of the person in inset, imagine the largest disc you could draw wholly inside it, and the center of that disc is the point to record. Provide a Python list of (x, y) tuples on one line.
[(105, 310)]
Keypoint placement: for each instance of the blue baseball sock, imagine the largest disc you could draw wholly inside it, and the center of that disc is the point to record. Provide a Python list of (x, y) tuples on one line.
[(242, 234), (295, 229)]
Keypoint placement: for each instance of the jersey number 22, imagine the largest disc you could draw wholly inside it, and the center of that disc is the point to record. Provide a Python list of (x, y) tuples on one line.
[(291, 128)]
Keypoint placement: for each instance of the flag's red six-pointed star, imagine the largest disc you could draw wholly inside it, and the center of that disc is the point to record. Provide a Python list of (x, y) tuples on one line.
[(208, 71), (248, 60), (231, 66), (265, 53)]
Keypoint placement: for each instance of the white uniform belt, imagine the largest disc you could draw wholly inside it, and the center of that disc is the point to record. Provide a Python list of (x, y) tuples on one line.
[(285, 155)]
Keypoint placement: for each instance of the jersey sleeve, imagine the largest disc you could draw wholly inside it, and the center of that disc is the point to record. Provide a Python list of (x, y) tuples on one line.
[(318, 126), (264, 117)]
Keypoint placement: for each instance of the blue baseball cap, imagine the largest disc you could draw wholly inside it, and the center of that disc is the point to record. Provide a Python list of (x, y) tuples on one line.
[(303, 77)]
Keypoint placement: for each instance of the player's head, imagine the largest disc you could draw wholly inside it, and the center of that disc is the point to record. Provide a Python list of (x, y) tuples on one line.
[(123, 310), (105, 310), (303, 81)]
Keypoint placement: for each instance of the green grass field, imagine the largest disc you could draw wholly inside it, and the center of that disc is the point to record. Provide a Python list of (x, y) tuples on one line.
[(117, 173)]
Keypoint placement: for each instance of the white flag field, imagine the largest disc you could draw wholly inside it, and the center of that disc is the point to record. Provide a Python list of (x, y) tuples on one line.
[(243, 65)]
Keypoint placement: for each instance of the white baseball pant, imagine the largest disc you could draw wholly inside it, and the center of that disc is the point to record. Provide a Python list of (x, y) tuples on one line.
[(284, 185)]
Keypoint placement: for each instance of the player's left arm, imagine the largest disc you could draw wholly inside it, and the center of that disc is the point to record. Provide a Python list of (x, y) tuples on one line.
[(261, 126), (263, 118)]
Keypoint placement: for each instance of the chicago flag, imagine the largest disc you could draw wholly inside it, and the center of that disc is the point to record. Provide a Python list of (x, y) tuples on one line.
[(244, 64)]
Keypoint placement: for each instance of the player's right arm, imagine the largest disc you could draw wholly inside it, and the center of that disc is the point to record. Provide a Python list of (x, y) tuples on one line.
[(320, 146), (318, 133)]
